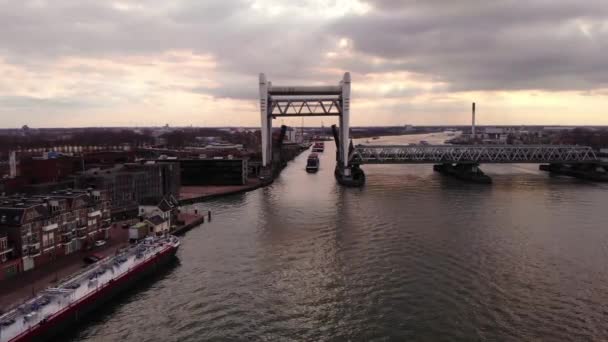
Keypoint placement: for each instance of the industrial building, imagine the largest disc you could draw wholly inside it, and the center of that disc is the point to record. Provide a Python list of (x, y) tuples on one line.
[(129, 185), (225, 171)]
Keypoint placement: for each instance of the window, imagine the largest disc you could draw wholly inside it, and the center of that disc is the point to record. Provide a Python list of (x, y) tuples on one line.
[(48, 239), (10, 270)]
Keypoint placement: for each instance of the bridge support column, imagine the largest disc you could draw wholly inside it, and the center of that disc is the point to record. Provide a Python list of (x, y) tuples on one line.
[(266, 127), (345, 123), (467, 172), (593, 171), (346, 174)]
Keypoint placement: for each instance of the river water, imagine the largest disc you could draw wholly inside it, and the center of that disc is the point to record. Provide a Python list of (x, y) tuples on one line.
[(411, 256)]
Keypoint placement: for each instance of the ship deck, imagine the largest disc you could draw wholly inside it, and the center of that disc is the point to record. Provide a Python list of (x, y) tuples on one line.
[(53, 301)]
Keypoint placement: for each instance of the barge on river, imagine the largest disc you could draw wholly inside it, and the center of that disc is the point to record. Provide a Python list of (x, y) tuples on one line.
[(318, 147), (55, 308), (312, 164)]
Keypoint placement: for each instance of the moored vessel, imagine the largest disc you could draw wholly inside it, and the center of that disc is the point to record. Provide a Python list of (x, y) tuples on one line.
[(55, 308)]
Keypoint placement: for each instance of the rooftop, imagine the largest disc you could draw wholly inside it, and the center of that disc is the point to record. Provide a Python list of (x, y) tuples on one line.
[(164, 205), (12, 208), (156, 220), (139, 224), (27, 201)]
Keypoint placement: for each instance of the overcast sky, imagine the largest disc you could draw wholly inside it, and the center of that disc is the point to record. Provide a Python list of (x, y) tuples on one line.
[(151, 62)]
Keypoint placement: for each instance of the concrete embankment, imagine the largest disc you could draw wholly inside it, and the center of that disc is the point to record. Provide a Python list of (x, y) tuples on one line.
[(196, 194), (189, 224)]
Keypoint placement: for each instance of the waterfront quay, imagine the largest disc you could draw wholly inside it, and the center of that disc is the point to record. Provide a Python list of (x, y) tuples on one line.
[(193, 194)]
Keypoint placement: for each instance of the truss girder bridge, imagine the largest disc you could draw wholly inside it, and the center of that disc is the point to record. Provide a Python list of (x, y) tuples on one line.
[(471, 154)]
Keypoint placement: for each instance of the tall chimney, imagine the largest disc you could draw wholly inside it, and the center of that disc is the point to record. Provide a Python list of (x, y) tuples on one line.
[(13, 162), (473, 123)]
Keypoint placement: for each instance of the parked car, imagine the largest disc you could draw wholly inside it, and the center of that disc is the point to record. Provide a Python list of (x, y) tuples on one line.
[(91, 259)]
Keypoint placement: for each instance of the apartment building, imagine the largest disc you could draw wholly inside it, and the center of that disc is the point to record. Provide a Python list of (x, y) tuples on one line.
[(36, 230)]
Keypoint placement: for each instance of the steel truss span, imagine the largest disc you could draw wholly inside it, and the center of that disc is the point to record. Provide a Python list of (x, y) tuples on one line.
[(305, 107), (471, 154)]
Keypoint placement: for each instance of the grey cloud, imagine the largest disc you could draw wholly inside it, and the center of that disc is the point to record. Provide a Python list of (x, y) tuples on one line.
[(29, 102), (486, 45), (229, 30), (468, 44), (243, 42)]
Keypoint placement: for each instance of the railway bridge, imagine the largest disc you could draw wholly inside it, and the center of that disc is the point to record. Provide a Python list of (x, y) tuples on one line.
[(462, 161), (471, 154)]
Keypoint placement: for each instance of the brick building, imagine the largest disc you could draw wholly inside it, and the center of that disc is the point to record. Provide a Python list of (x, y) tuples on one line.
[(35, 230), (43, 172), (39, 170)]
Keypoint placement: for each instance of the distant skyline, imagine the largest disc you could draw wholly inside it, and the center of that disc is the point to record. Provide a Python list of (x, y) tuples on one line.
[(74, 63)]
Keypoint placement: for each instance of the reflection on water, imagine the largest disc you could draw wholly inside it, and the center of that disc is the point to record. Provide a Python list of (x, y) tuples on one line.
[(411, 255)]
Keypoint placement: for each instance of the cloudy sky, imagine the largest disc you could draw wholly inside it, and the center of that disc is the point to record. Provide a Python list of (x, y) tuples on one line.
[(151, 62)]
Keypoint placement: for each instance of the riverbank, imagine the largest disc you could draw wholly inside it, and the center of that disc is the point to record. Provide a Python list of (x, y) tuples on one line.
[(195, 194)]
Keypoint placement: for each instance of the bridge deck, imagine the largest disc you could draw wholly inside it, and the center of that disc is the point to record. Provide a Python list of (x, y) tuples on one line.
[(438, 154)]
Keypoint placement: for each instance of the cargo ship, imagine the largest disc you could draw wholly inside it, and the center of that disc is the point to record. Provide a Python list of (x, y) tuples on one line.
[(56, 308), (312, 164), (319, 146)]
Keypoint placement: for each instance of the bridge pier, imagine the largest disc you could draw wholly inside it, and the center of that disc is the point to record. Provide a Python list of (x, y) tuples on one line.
[(592, 171), (345, 173), (351, 176), (468, 172)]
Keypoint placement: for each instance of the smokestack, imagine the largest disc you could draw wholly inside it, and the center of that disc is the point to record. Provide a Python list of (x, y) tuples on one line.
[(473, 122)]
